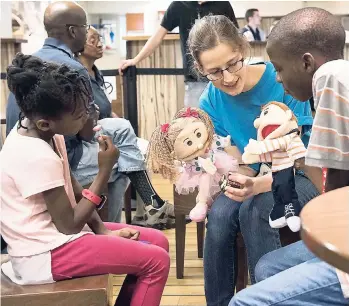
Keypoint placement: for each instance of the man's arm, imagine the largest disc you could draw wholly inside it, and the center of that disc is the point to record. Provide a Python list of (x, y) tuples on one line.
[(95, 222)]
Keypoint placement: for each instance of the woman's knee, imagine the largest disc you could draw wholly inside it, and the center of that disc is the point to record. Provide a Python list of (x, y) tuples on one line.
[(256, 208), (224, 212)]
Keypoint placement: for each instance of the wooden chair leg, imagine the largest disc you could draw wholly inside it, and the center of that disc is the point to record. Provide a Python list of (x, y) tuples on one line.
[(200, 232), (180, 244), (242, 269), (127, 205)]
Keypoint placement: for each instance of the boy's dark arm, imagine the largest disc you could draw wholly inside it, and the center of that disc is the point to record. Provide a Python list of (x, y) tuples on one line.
[(95, 222), (336, 178)]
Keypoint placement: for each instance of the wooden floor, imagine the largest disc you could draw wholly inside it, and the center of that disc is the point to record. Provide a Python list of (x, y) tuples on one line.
[(187, 291)]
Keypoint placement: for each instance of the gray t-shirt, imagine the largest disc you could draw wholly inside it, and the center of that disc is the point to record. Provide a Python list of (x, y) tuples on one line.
[(329, 141)]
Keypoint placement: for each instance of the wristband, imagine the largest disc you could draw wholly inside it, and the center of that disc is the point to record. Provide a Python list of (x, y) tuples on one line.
[(99, 201)]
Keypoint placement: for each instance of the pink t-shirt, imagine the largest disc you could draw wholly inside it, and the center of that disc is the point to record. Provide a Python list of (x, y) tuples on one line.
[(28, 167)]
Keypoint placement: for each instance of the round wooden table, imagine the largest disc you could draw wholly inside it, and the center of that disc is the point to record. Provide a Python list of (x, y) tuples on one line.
[(325, 227)]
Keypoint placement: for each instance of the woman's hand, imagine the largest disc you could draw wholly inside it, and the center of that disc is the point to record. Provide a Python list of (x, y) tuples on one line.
[(126, 63), (245, 192), (127, 232)]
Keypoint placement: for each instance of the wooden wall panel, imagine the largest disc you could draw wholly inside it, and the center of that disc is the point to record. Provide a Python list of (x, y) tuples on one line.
[(159, 97)]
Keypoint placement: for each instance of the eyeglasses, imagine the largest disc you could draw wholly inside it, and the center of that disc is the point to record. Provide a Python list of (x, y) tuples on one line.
[(232, 68), (86, 26), (95, 40)]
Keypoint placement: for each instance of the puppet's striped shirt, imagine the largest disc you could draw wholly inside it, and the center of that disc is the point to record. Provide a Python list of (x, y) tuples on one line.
[(282, 151)]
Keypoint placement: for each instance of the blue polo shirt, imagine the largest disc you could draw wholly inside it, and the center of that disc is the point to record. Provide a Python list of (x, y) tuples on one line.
[(98, 88), (55, 51), (234, 116)]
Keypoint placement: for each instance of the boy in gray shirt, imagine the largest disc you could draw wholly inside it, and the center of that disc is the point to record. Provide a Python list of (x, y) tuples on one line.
[(309, 61)]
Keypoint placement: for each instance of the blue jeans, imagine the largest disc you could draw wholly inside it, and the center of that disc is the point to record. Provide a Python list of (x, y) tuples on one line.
[(131, 159), (292, 276), (251, 217)]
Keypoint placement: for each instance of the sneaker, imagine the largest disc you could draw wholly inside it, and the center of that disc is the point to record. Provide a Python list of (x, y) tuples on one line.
[(138, 221), (171, 223), (277, 217), (159, 217), (292, 219)]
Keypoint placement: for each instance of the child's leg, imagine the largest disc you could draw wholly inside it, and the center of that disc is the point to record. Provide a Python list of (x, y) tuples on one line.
[(155, 237), (101, 254)]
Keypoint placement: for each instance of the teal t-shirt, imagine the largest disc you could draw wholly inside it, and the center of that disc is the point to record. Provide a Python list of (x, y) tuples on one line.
[(234, 116)]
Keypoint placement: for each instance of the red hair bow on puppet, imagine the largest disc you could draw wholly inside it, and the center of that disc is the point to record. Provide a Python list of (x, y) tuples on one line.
[(165, 127), (191, 113)]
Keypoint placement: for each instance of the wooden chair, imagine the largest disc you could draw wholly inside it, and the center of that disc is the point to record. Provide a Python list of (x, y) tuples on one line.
[(93, 290), (183, 204)]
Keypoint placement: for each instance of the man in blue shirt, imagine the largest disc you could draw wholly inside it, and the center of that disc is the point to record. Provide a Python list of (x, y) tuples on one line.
[(66, 26)]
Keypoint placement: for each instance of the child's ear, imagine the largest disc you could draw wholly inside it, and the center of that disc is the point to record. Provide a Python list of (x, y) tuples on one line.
[(309, 63), (172, 154), (43, 125), (288, 115)]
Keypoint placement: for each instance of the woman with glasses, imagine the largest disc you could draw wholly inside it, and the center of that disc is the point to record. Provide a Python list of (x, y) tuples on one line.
[(233, 100), (156, 212)]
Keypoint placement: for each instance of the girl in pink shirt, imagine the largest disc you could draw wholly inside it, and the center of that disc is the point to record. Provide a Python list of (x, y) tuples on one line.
[(50, 224)]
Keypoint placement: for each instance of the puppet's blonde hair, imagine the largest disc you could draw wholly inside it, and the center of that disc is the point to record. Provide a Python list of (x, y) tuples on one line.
[(160, 154)]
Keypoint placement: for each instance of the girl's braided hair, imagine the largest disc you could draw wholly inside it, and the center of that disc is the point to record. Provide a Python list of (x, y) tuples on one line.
[(47, 89), (160, 155)]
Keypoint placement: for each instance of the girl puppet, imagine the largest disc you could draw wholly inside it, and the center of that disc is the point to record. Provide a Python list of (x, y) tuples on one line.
[(187, 152)]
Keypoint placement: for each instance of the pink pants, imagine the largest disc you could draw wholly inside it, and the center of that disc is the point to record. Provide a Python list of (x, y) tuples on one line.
[(146, 265)]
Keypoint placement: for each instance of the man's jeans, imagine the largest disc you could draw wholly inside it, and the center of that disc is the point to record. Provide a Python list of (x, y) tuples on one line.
[(131, 159), (225, 220), (292, 276)]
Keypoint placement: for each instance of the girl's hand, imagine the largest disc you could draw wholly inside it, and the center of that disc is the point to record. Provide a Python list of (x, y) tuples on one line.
[(240, 194), (108, 154), (127, 232)]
